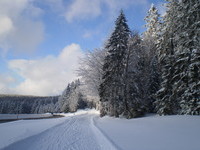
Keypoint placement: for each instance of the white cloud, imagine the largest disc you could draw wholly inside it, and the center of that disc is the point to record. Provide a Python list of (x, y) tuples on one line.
[(48, 75), (6, 81), (27, 35), (20, 27), (6, 25), (83, 9), (87, 9)]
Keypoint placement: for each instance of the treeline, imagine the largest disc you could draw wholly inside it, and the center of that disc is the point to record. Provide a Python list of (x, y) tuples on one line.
[(157, 71), (17, 104), (70, 100), (73, 98)]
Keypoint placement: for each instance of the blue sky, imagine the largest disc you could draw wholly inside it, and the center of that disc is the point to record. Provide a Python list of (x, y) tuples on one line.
[(41, 41)]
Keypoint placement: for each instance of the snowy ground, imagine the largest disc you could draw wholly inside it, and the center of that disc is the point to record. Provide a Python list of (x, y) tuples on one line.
[(86, 131), (153, 132)]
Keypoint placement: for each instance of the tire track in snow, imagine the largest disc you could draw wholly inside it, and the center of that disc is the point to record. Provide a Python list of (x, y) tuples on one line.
[(103, 138), (35, 140), (76, 133)]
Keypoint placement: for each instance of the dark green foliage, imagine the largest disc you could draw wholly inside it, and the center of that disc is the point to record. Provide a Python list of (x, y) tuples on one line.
[(190, 98), (136, 76), (111, 90), (165, 104)]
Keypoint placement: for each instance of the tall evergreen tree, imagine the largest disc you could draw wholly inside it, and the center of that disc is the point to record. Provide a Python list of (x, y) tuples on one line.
[(136, 77), (112, 88), (182, 24), (153, 24), (150, 41), (186, 81), (165, 104)]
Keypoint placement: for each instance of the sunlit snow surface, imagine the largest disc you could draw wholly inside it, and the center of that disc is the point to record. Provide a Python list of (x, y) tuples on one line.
[(85, 130), (153, 132)]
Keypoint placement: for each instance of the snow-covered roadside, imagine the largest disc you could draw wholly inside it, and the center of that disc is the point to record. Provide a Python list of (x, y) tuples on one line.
[(86, 130), (23, 116), (12, 132), (153, 132), (15, 131), (77, 132)]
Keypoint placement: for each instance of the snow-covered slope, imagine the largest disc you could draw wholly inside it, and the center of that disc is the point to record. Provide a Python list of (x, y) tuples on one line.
[(85, 130)]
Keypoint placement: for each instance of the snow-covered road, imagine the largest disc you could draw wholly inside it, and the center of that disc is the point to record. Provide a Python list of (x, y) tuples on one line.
[(77, 132), (85, 130)]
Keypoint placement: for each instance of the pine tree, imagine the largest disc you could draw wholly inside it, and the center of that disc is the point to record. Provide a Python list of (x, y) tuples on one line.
[(63, 99), (150, 41), (71, 98), (188, 46), (153, 23), (190, 103), (183, 95), (136, 77), (165, 104), (112, 88)]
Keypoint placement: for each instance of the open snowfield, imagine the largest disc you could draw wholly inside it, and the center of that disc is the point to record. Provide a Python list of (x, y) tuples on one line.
[(153, 132), (84, 130)]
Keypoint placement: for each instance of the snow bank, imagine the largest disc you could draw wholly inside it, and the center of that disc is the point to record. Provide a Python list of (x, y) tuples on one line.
[(15, 131), (23, 116), (81, 112), (153, 132)]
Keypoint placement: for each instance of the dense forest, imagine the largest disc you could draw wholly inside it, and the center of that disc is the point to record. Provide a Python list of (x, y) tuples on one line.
[(70, 100), (157, 71), (13, 104)]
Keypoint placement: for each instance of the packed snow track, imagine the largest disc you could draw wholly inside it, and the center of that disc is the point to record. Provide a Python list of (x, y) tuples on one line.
[(77, 132), (85, 130)]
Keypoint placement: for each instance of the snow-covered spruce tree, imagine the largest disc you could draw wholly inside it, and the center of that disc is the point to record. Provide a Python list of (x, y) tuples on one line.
[(185, 38), (136, 77), (151, 35), (186, 82), (190, 103), (72, 98), (63, 102), (111, 89), (150, 41), (165, 103)]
